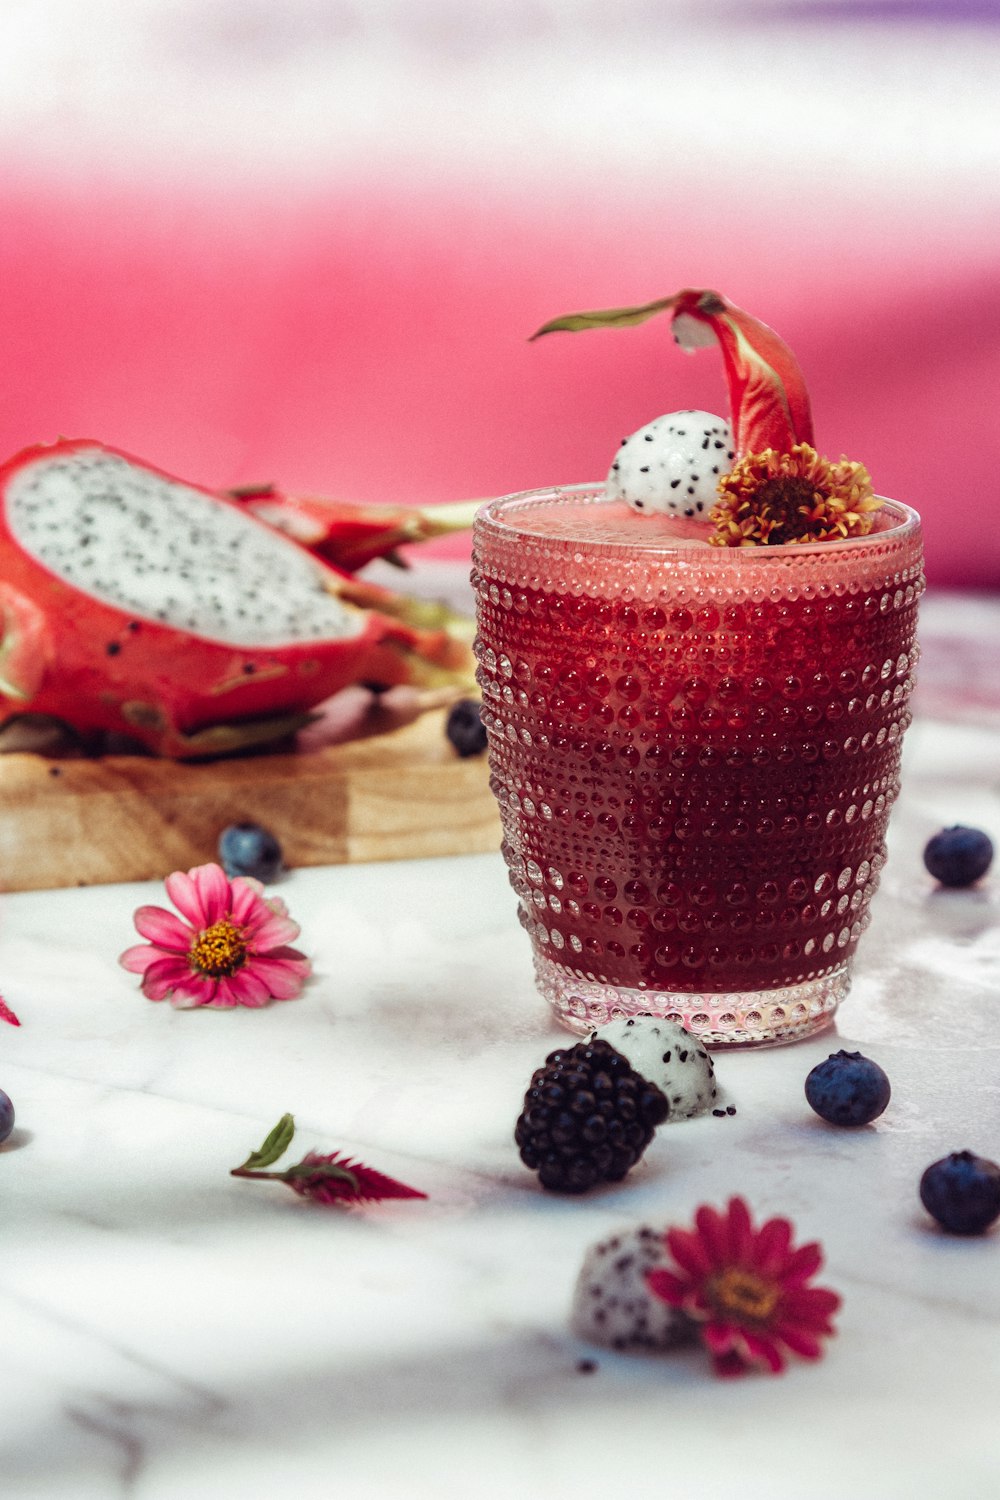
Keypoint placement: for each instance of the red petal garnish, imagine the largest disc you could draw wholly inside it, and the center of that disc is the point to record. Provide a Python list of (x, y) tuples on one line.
[(369, 1185), (6, 1014), (768, 400), (767, 390)]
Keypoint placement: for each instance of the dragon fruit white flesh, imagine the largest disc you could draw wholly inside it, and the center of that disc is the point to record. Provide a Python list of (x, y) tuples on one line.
[(667, 1055), (135, 603), (673, 465), (612, 1305)]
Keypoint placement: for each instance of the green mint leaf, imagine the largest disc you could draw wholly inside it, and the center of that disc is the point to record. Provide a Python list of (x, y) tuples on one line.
[(274, 1145)]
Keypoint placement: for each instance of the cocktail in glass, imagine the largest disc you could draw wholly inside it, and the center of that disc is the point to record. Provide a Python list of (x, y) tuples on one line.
[(695, 751)]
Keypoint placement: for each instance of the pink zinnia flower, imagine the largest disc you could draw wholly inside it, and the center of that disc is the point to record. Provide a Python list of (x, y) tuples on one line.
[(747, 1289), (232, 949)]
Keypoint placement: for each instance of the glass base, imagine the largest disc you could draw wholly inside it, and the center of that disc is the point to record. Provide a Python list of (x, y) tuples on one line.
[(751, 1018)]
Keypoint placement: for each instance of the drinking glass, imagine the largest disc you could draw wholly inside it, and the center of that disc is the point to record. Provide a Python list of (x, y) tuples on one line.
[(695, 750)]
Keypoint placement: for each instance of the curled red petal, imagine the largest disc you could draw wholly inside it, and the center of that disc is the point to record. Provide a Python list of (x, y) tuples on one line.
[(768, 398), (6, 1014)]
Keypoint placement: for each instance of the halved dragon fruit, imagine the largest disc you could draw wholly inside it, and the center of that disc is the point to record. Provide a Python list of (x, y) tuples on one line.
[(133, 602)]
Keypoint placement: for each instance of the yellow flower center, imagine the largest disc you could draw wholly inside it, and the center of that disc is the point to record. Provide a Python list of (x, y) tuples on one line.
[(743, 1296), (219, 951)]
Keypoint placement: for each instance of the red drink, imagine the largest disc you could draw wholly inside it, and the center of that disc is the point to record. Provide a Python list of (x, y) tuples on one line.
[(695, 751)]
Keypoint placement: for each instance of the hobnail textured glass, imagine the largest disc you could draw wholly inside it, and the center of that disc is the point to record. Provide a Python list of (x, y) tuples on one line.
[(695, 751)]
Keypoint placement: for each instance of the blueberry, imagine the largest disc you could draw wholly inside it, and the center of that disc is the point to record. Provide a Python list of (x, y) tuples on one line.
[(6, 1116), (962, 1192), (958, 856), (248, 849), (464, 727), (848, 1089)]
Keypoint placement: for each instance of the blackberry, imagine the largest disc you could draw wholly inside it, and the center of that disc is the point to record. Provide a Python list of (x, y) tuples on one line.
[(464, 728), (588, 1116), (6, 1116), (958, 856)]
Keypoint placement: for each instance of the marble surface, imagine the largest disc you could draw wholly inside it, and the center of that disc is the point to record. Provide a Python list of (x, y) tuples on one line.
[(171, 1332)]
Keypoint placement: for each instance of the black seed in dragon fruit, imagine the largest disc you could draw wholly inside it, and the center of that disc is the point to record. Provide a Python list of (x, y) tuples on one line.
[(673, 465)]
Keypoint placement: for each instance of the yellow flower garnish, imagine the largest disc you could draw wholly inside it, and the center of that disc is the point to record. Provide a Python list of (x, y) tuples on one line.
[(771, 498)]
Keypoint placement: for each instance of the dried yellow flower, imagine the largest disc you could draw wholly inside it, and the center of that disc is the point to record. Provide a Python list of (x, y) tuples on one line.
[(774, 497)]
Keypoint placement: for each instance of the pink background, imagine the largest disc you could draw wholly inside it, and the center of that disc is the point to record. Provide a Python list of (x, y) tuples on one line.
[(308, 243)]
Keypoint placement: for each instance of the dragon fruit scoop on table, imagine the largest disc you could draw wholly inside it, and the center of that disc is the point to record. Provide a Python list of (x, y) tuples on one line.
[(136, 603)]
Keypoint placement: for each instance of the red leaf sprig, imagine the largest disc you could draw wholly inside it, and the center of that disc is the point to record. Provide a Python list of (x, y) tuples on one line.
[(6, 1014), (333, 1178)]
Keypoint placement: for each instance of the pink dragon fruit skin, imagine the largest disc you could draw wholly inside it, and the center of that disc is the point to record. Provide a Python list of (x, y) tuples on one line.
[(102, 665)]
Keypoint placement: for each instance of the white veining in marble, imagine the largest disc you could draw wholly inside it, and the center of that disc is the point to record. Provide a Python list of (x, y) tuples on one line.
[(170, 1332)]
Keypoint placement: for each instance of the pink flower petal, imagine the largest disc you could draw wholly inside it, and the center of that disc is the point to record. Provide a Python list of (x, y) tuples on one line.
[(138, 959), (802, 1264), (184, 894), (763, 1350), (806, 1345), (714, 1234), (772, 1247), (812, 1306), (163, 976), (212, 886), (248, 987), (268, 931), (718, 1337), (689, 1252), (283, 977), (666, 1286), (729, 1366), (223, 996), (741, 1235), (163, 928), (246, 899)]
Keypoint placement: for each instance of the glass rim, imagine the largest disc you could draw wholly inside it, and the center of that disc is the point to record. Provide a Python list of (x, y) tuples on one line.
[(492, 516)]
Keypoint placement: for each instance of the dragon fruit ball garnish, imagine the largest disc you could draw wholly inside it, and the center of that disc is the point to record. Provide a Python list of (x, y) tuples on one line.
[(229, 946), (747, 1289), (780, 490)]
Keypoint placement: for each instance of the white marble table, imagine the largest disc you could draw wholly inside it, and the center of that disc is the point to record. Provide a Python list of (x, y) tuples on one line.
[(170, 1332)]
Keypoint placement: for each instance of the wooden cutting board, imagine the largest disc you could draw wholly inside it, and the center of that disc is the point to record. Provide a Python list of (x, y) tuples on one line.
[(402, 795)]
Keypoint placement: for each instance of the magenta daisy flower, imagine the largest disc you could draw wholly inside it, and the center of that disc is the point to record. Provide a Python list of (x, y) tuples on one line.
[(747, 1289), (230, 949)]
